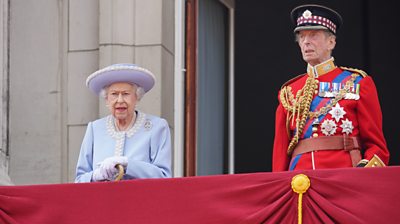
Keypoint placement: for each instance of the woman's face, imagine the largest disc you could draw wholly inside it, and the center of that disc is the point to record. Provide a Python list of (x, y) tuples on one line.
[(316, 45), (121, 99)]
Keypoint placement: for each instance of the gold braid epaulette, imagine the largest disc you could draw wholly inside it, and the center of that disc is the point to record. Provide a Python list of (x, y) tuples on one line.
[(286, 102), (361, 72), (292, 80)]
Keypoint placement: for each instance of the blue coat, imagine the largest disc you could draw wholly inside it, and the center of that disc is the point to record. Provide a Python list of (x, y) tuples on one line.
[(147, 145)]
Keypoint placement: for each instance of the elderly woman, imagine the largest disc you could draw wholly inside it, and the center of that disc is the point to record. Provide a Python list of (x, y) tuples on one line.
[(140, 142)]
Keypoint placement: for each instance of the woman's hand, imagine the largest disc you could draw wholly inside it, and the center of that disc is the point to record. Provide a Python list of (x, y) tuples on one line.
[(110, 163), (99, 174), (107, 169)]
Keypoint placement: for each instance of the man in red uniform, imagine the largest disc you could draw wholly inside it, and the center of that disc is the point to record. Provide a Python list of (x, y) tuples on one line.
[(329, 117)]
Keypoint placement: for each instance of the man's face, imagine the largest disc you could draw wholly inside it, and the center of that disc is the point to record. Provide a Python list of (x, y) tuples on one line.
[(316, 45)]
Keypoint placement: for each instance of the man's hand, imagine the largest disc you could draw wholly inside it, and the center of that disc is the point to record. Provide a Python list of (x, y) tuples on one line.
[(362, 163)]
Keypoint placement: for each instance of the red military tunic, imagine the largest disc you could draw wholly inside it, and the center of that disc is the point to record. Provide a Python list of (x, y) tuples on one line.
[(360, 117)]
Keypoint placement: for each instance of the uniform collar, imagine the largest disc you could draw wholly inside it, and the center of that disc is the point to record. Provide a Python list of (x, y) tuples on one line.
[(322, 68)]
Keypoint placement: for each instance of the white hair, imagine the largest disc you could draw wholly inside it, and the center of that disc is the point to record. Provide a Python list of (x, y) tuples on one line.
[(139, 91)]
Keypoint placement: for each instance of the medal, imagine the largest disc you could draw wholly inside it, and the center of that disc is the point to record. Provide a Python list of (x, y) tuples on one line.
[(324, 89), (336, 88), (357, 89), (347, 126), (328, 127), (351, 96), (337, 112), (353, 93)]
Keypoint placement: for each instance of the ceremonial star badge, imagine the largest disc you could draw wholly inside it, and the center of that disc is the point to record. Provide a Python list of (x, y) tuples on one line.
[(337, 112), (307, 14), (347, 126), (328, 127)]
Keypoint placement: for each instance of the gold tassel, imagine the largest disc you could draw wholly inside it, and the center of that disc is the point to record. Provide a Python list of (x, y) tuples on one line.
[(300, 184)]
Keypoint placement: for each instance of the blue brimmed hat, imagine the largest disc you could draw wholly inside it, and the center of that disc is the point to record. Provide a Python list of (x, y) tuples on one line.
[(312, 17), (129, 73)]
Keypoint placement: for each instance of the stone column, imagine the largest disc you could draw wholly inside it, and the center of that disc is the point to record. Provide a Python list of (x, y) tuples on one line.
[(4, 159), (83, 59), (35, 91), (141, 32)]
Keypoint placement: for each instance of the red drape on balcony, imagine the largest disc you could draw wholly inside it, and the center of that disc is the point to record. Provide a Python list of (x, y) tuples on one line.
[(354, 195)]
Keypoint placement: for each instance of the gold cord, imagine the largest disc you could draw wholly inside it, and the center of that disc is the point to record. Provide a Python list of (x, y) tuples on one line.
[(300, 184), (298, 108)]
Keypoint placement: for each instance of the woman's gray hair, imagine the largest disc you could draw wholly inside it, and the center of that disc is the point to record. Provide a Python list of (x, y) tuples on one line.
[(139, 91)]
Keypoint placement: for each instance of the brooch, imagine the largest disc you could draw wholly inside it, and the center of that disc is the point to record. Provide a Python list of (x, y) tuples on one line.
[(148, 125)]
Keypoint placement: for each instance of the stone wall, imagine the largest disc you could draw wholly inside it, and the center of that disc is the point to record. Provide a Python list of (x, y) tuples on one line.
[(53, 47)]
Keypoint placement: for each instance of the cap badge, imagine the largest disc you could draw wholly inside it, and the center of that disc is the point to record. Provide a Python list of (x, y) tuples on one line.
[(307, 14)]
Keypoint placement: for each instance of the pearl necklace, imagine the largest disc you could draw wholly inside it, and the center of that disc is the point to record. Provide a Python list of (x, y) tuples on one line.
[(128, 127), (119, 136)]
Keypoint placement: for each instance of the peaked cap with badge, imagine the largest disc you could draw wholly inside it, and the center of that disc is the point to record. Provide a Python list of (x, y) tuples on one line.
[(311, 17)]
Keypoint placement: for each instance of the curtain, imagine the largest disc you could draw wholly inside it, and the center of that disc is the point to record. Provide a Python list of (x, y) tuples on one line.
[(348, 195), (212, 87)]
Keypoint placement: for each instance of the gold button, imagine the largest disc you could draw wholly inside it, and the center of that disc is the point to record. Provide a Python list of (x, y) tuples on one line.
[(315, 135), (316, 92), (314, 129)]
